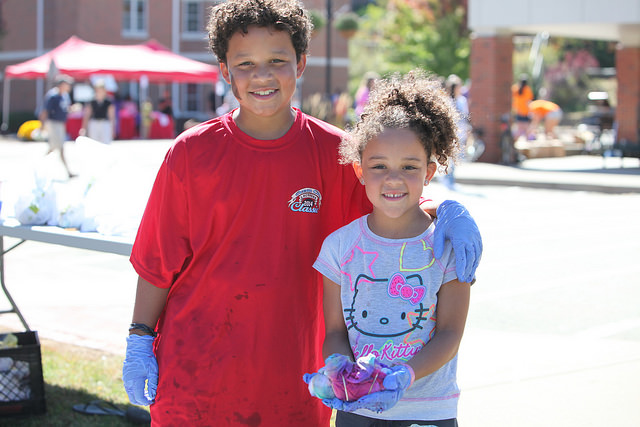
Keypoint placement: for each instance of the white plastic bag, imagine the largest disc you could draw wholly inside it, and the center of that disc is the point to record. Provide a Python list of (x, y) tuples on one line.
[(36, 207)]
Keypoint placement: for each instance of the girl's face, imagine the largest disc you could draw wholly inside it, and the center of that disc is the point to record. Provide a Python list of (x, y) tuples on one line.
[(394, 169), (262, 69)]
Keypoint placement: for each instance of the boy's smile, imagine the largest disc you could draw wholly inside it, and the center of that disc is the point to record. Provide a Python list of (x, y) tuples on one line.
[(262, 69)]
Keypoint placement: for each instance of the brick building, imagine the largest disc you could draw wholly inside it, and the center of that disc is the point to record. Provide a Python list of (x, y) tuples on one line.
[(33, 27)]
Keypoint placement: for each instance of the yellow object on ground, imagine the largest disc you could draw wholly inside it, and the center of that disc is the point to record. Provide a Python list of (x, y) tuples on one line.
[(26, 129)]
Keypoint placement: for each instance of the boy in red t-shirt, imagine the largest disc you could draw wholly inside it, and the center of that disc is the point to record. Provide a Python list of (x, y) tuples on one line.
[(228, 308)]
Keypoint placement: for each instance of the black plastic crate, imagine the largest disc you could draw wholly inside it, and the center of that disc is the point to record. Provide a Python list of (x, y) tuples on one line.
[(21, 382)]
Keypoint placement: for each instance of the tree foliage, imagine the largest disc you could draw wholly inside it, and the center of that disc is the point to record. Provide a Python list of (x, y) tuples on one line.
[(565, 71), (399, 35)]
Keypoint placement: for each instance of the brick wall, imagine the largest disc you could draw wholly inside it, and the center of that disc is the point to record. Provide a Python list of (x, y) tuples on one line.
[(628, 108), (490, 93), (101, 22)]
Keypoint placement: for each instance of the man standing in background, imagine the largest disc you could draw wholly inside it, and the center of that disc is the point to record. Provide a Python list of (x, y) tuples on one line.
[(54, 116)]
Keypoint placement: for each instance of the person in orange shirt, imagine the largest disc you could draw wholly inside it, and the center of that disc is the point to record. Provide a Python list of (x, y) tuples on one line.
[(547, 111), (521, 96)]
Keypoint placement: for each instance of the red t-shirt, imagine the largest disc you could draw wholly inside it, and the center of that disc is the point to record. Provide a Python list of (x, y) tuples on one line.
[(233, 226)]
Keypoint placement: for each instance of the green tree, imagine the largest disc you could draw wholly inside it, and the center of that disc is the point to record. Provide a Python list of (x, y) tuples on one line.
[(399, 35), (603, 51), (565, 69)]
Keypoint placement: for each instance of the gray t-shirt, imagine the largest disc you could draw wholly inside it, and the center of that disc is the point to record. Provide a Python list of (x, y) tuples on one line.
[(389, 292)]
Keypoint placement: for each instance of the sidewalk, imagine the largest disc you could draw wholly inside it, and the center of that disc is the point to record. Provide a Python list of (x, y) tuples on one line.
[(573, 173)]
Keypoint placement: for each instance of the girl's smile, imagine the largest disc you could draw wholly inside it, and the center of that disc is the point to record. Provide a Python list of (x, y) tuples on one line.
[(394, 169)]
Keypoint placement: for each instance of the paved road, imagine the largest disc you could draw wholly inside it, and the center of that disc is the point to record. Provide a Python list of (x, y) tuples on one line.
[(553, 335)]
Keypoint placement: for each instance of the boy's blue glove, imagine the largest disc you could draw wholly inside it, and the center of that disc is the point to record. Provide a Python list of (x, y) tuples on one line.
[(140, 367), (399, 378), (456, 224)]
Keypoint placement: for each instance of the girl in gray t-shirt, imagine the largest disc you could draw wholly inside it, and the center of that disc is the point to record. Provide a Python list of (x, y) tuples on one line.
[(385, 293)]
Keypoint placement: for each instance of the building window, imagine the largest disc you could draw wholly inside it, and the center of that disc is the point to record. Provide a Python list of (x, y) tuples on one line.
[(193, 17), (192, 100), (134, 18)]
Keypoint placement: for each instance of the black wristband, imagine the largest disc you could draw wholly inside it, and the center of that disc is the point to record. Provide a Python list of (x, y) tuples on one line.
[(144, 328)]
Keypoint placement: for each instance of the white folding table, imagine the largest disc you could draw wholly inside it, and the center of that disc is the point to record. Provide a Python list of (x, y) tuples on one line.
[(58, 236)]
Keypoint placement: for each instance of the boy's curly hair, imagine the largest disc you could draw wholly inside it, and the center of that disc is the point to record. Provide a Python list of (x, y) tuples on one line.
[(232, 16), (415, 101)]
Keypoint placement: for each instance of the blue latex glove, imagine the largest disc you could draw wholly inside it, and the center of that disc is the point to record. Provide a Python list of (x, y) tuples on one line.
[(319, 384), (376, 402), (399, 378), (140, 368), (456, 224)]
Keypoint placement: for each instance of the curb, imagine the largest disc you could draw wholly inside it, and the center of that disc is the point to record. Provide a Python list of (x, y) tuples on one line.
[(565, 186)]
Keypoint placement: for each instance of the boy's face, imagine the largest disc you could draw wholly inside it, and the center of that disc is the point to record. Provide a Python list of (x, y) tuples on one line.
[(262, 70)]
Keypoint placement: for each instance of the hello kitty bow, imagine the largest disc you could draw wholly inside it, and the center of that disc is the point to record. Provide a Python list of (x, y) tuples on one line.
[(399, 288)]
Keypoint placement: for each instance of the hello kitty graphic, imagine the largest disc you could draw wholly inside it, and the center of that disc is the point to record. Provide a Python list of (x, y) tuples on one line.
[(391, 307)]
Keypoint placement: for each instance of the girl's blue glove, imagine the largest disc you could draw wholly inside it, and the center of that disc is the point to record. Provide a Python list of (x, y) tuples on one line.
[(399, 378), (455, 224), (376, 402), (140, 368)]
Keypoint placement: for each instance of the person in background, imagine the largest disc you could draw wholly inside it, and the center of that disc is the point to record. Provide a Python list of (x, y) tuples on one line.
[(54, 116), (130, 106), (521, 96), (99, 120), (227, 314), (129, 110), (546, 112), (362, 94), (145, 119), (165, 107), (453, 86)]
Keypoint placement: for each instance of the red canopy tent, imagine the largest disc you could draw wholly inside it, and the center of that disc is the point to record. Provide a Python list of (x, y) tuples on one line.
[(80, 59)]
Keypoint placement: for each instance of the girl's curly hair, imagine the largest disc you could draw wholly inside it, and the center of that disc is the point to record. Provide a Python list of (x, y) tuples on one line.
[(232, 16), (415, 101)]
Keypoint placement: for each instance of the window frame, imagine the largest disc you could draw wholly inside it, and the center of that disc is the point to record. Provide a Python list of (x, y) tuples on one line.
[(200, 14), (136, 28), (192, 93)]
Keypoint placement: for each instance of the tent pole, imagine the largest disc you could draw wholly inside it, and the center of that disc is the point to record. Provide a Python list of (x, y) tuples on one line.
[(5, 106)]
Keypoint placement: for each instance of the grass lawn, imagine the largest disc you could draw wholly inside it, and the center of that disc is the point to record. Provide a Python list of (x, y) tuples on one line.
[(78, 375), (74, 375)]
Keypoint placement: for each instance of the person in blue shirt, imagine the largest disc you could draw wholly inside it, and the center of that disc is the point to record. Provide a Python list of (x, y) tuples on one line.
[(54, 116)]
